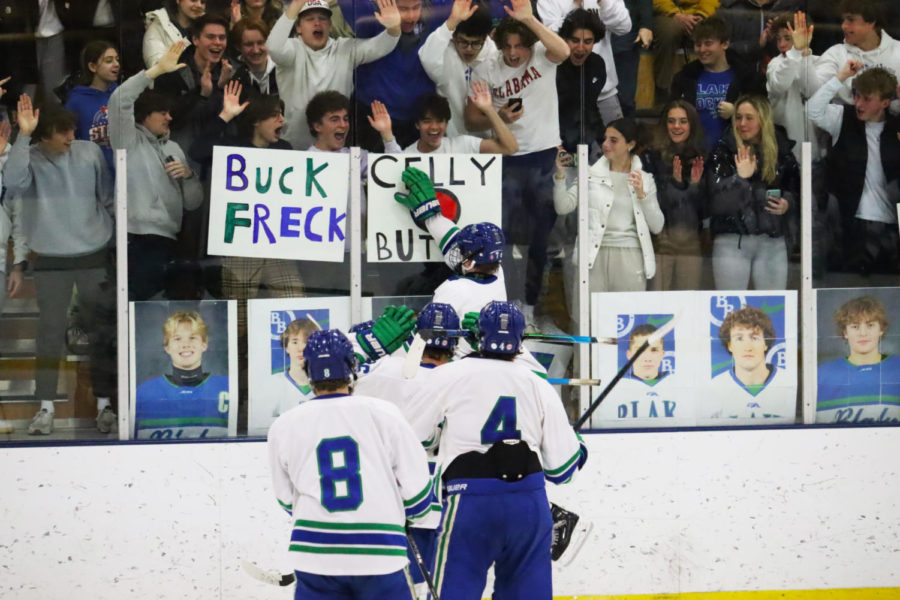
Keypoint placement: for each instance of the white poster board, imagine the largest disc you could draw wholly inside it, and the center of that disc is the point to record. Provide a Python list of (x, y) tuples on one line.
[(703, 374), (278, 204), (271, 390), (468, 187)]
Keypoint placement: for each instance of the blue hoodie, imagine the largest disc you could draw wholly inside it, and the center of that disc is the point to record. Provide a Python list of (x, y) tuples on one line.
[(90, 106)]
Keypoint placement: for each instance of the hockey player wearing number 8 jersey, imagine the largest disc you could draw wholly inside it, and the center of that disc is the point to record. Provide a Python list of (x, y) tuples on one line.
[(351, 473), (504, 430)]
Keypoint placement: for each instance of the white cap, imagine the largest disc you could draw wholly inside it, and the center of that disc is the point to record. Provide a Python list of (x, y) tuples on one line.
[(313, 4)]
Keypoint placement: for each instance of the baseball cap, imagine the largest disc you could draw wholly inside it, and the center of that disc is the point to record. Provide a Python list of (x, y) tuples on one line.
[(313, 4)]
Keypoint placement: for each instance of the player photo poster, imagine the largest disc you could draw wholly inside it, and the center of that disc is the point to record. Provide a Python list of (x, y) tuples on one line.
[(752, 366), (468, 187), (277, 333), (857, 345), (183, 376), (657, 390)]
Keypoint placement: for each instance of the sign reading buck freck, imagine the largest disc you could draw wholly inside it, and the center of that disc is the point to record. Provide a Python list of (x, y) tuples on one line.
[(468, 187), (278, 204)]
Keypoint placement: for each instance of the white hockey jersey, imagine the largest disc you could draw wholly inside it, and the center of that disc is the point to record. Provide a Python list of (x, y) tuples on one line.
[(384, 379), (351, 473), (481, 401), (728, 398)]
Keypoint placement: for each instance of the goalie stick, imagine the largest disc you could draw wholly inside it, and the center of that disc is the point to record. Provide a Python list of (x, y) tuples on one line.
[(653, 338)]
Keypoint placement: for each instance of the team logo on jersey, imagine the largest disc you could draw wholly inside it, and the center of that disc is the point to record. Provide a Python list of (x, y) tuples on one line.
[(450, 206)]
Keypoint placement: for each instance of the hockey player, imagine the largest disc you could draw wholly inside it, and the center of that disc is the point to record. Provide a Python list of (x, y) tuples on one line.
[(751, 388), (384, 379), (864, 387), (350, 482), (504, 431), (188, 402)]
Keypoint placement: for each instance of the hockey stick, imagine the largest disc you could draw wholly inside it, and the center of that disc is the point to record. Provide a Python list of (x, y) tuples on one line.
[(413, 357), (555, 381), (421, 562), (272, 578), (537, 337), (652, 339), (314, 322)]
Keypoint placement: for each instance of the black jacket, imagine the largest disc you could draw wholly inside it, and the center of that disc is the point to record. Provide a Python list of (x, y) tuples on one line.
[(577, 89), (682, 204), (737, 205)]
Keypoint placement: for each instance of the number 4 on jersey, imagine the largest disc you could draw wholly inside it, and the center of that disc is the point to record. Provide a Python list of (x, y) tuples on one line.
[(501, 423)]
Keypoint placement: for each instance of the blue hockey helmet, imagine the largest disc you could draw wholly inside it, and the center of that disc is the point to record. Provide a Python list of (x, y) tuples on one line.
[(500, 327), (364, 326), (329, 355), (435, 317), (480, 242)]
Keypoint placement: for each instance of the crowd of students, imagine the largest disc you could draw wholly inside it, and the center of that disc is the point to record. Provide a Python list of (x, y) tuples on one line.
[(711, 184)]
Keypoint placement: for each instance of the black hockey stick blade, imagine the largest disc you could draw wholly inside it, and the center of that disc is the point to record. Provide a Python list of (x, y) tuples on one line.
[(270, 577), (536, 337), (652, 339), (421, 562)]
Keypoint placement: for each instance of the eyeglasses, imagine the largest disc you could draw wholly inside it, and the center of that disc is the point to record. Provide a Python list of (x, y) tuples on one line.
[(476, 45)]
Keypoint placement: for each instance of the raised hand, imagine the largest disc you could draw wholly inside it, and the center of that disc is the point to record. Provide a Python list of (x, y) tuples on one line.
[(388, 16), (459, 12), (521, 10), (231, 101), (168, 62), (380, 119), (637, 184), (2, 81), (745, 162), (206, 84), (850, 68), (226, 73), (564, 162), (677, 169), (481, 96), (801, 35), (235, 11), (697, 169), (26, 115)]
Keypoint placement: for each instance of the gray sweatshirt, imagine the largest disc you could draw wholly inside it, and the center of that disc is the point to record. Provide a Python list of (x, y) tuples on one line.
[(66, 199), (155, 201)]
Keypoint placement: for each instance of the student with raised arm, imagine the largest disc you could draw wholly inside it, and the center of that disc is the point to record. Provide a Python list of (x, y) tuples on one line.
[(65, 189), (523, 85), (313, 62), (433, 121), (863, 165), (161, 185), (453, 51)]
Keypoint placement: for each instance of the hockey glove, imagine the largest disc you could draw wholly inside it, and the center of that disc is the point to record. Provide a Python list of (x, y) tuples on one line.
[(421, 200), (470, 322), (388, 333)]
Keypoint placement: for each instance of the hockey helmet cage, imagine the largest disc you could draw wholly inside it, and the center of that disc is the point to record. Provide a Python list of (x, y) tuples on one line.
[(329, 355), (435, 317), (501, 326), (480, 242)]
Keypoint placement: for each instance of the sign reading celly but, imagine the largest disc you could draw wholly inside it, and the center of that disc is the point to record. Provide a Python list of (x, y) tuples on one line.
[(278, 204), (468, 187)]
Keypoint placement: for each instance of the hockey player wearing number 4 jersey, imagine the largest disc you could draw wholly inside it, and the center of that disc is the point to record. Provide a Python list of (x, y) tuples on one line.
[(503, 432), (385, 379), (351, 482)]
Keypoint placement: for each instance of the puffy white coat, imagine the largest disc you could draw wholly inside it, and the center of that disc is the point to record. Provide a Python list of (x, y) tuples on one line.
[(160, 34), (648, 217)]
